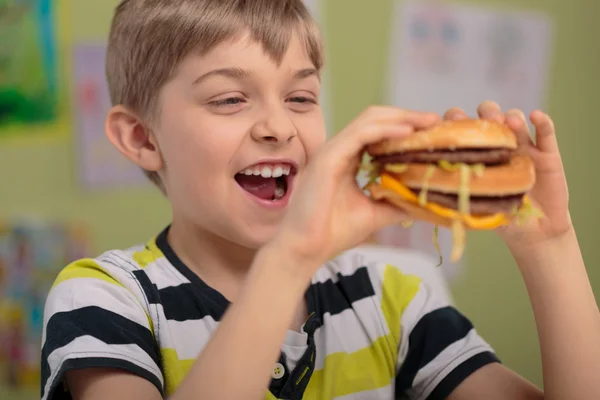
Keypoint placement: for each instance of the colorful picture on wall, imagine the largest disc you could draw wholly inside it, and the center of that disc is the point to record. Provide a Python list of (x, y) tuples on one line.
[(27, 62), (31, 255), (30, 89)]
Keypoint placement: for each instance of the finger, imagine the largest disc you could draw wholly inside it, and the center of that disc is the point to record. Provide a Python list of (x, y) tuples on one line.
[(491, 111), (383, 114), (390, 126), (418, 119), (348, 146), (544, 132), (455, 114), (517, 122)]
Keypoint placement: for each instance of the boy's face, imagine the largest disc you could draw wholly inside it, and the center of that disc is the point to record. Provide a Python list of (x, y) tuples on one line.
[(235, 130)]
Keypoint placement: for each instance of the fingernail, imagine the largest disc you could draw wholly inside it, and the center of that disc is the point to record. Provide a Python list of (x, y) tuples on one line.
[(513, 119)]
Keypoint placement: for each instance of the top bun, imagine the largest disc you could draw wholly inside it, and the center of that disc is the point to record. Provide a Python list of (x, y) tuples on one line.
[(452, 135)]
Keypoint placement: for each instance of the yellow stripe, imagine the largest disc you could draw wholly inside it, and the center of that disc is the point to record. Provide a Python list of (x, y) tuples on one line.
[(85, 268), (147, 256), (373, 367), (306, 369), (370, 368), (397, 292), (89, 268), (174, 369)]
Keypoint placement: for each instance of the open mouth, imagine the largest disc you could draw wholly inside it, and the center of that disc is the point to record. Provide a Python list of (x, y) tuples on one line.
[(268, 182)]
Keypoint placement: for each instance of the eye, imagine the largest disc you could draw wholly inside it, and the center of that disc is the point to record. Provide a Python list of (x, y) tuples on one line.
[(228, 102), (302, 100), (302, 104)]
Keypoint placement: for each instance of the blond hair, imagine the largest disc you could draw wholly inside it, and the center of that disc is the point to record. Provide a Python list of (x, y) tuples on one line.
[(150, 38)]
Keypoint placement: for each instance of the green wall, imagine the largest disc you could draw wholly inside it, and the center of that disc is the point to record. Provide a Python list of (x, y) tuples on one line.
[(41, 180)]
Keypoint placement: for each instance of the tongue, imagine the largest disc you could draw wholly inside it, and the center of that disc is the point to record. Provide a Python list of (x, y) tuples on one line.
[(263, 188)]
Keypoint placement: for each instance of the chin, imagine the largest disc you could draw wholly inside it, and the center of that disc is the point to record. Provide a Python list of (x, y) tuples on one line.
[(256, 238)]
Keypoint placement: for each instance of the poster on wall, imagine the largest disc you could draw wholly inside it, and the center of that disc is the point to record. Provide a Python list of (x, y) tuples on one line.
[(31, 92), (31, 255), (446, 55), (101, 166)]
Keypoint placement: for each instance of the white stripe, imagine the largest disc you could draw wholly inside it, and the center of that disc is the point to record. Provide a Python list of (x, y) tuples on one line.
[(323, 275), (451, 357), (77, 293), (384, 393), (134, 249), (370, 317), (90, 347), (294, 347), (188, 338), (163, 274), (347, 333), (423, 303)]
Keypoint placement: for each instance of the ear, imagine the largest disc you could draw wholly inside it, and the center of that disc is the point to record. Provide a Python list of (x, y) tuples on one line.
[(133, 139)]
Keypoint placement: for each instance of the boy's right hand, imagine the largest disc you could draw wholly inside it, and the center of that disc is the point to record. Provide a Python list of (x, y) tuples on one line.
[(328, 212)]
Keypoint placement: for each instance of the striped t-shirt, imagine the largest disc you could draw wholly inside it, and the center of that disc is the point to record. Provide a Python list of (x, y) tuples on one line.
[(374, 332)]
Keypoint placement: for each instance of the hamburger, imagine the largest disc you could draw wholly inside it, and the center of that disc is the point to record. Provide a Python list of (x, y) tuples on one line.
[(463, 175)]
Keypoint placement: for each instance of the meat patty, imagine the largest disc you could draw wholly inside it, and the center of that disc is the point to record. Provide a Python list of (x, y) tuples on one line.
[(467, 156), (478, 205)]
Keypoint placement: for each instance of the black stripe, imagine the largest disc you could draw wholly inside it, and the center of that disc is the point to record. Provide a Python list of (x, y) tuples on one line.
[(56, 392), (104, 325), (188, 302), (150, 289), (433, 333), (219, 303), (460, 373), (336, 297)]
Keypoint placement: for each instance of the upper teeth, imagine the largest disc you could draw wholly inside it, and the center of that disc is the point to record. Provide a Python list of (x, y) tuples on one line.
[(268, 170)]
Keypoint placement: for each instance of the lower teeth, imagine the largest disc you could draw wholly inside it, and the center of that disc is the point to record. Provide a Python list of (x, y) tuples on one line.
[(279, 193), (279, 190)]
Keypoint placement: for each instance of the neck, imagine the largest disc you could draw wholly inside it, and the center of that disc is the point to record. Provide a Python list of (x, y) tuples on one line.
[(220, 263)]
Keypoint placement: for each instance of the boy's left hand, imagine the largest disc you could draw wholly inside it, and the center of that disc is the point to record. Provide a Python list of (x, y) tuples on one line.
[(550, 193)]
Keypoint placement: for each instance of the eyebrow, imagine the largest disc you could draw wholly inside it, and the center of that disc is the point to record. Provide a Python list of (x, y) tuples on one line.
[(239, 73)]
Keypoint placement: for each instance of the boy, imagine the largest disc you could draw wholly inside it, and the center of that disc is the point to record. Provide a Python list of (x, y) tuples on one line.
[(217, 100)]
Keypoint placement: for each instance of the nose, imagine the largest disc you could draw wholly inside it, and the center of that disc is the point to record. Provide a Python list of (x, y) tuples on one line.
[(275, 128)]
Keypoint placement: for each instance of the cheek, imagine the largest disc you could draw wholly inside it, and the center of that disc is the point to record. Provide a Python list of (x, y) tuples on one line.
[(193, 138), (312, 133), (196, 155)]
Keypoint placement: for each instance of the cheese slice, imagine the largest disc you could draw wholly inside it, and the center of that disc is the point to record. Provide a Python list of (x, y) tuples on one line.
[(474, 222)]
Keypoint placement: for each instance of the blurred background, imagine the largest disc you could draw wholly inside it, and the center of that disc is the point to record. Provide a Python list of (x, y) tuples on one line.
[(64, 193)]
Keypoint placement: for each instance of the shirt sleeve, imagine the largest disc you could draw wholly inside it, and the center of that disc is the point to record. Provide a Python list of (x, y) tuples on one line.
[(93, 321), (439, 348)]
